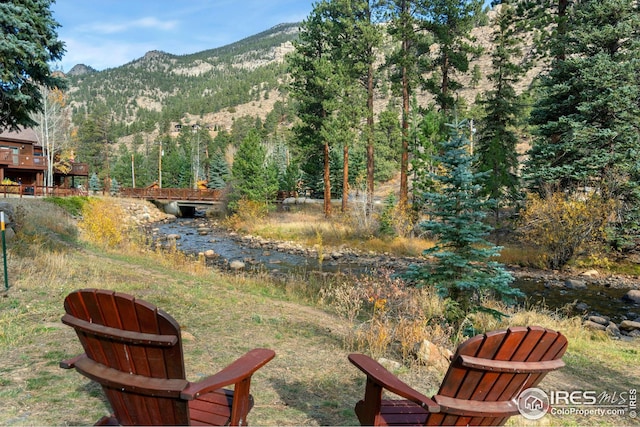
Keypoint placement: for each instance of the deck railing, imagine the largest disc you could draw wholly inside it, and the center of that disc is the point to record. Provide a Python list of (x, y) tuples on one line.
[(22, 160), (19, 190)]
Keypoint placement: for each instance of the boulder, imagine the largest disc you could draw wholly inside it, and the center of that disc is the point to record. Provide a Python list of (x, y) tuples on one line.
[(633, 295), (209, 253), (599, 319), (613, 330), (236, 265), (575, 284), (594, 326), (582, 306), (590, 273), (431, 355), (629, 325)]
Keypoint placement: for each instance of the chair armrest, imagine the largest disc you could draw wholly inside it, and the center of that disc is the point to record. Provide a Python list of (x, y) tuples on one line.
[(71, 363), (240, 370), (381, 376)]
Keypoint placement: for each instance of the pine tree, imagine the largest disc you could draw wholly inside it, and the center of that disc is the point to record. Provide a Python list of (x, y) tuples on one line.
[(463, 269), (28, 43), (451, 22), (408, 64), (314, 88)]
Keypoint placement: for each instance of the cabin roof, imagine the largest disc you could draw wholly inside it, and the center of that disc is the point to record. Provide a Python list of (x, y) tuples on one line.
[(27, 135)]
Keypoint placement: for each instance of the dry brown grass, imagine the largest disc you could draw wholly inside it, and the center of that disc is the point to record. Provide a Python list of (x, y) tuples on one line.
[(304, 223)]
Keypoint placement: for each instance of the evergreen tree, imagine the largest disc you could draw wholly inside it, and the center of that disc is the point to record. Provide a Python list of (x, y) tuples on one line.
[(115, 187), (357, 38), (218, 172), (28, 43), (497, 138), (408, 64), (253, 177), (176, 164), (388, 145), (121, 167), (95, 137), (463, 270), (94, 183), (451, 22), (314, 88), (587, 114)]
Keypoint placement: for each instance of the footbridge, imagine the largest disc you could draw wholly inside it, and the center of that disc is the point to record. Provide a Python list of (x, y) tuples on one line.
[(177, 201)]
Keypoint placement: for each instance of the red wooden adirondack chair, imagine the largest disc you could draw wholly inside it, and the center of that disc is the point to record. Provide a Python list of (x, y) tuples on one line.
[(481, 387), (134, 350)]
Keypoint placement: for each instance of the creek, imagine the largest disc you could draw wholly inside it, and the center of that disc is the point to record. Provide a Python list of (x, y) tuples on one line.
[(552, 294)]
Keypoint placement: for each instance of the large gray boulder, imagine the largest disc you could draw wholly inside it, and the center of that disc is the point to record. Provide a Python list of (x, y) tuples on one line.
[(633, 296)]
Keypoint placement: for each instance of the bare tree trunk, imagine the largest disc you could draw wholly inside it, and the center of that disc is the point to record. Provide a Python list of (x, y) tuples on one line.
[(345, 177), (370, 151), (327, 182), (404, 160)]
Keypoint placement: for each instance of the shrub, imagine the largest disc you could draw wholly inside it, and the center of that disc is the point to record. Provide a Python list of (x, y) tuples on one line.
[(386, 316), (561, 225), (246, 212), (102, 223)]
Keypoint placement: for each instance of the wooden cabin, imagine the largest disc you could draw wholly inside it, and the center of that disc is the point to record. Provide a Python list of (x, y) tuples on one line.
[(23, 164)]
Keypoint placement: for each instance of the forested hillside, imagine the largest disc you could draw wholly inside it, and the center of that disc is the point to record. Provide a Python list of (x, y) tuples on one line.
[(158, 87)]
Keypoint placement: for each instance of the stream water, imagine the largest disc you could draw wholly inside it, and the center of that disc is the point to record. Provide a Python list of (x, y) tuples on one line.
[(594, 299)]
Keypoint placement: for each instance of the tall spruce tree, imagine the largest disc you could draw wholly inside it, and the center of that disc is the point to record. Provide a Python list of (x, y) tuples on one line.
[(463, 269), (497, 138), (587, 115), (28, 43)]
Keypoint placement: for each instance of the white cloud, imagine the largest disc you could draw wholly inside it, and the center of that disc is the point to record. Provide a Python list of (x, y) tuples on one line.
[(121, 27), (105, 54)]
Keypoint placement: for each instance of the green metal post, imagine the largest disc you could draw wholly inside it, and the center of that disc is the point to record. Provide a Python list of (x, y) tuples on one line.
[(4, 251)]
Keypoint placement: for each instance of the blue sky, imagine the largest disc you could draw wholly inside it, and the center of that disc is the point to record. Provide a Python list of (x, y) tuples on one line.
[(109, 33)]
